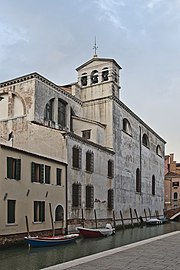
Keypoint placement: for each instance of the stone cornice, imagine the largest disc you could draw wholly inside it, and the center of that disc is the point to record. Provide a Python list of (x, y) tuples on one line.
[(39, 77)]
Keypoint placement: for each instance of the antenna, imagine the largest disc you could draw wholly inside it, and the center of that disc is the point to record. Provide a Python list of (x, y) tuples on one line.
[(95, 48)]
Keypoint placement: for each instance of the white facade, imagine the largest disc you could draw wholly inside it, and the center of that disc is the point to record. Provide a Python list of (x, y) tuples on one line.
[(114, 160)]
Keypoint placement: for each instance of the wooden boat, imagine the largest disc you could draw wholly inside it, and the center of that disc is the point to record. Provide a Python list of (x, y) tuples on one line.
[(38, 241), (101, 232)]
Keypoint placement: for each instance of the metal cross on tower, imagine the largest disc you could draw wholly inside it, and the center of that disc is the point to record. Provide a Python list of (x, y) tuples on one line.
[(95, 48)]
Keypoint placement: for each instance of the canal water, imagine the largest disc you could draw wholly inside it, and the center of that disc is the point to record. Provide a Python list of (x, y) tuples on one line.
[(23, 258)]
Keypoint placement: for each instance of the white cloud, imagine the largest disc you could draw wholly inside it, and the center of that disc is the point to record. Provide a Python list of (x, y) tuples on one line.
[(109, 8)]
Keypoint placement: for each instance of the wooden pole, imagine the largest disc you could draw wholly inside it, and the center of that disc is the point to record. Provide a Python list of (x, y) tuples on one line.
[(122, 220), (149, 212), (53, 233), (131, 217), (82, 217), (145, 214), (27, 226), (114, 219), (136, 215), (95, 217)]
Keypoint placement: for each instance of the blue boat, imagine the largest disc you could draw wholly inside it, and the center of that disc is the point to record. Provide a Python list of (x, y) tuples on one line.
[(37, 241)]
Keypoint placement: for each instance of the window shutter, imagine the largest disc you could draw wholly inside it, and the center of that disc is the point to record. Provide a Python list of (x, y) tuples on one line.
[(110, 198), (18, 169), (32, 171), (47, 174), (9, 167), (41, 173)]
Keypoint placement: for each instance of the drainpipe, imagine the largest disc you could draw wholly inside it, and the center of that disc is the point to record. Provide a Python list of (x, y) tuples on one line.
[(140, 158)]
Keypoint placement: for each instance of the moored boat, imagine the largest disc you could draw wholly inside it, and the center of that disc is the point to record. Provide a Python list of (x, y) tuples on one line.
[(37, 241), (101, 232), (154, 221)]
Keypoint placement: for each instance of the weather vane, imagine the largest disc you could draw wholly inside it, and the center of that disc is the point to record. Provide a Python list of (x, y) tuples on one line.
[(95, 48)]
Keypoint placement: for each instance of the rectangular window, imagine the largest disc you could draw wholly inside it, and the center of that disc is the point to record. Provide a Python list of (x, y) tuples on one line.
[(175, 184), (39, 211), (110, 168), (58, 176), (76, 195), (61, 113), (86, 134), (110, 199), (47, 174), (40, 173), (13, 168), (89, 196), (11, 211), (89, 161), (76, 157)]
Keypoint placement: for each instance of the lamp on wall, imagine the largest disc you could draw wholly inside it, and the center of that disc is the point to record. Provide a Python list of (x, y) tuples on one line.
[(27, 193), (46, 194)]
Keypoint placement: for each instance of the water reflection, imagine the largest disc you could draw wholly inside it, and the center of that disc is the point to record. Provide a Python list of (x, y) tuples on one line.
[(21, 258)]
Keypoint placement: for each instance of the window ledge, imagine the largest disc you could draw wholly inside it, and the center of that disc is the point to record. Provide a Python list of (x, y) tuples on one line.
[(11, 224)]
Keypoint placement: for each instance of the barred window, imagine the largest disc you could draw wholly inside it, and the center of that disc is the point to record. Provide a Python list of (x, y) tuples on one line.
[(153, 185), (39, 211), (110, 168), (13, 168), (89, 161), (76, 157), (110, 199), (76, 195), (89, 196), (138, 180)]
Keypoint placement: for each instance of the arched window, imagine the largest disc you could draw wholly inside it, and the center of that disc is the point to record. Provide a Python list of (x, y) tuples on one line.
[(105, 73), (158, 150), (127, 126), (59, 213), (61, 113), (94, 76), (49, 110), (175, 196), (153, 185), (138, 180), (84, 79), (145, 140)]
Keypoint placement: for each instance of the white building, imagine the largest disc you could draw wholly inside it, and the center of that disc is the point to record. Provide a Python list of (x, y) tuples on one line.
[(114, 160)]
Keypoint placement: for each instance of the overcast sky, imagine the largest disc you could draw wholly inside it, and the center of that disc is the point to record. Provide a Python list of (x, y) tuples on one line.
[(54, 37)]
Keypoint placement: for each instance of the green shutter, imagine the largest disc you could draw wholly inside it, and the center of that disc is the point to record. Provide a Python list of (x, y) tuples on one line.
[(18, 169), (32, 171), (9, 167), (41, 173)]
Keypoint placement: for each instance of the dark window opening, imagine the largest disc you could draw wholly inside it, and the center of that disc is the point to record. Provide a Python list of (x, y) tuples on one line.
[(59, 213), (175, 196), (61, 113), (89, 196), (127, 126), (11, 211), (58, 176), (13, 168), (49, 110), (89, 161), (145, 140), (175, 184), (76, 157), (138, 180), (84, 79), (110, 199), (105, 74), (76, 195), (94, 77), (110, 168), (39, 211), (86, 134), (153, 185)]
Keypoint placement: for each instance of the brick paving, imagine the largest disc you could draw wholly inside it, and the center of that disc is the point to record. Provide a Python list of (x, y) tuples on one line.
[(157, 253)]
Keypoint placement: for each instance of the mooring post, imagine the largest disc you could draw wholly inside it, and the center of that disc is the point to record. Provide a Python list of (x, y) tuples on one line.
[(149, 212), (136, 215), (131, 217), (114, 219), (95, 217), (145, 214), (122, 220), (82, 217)]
